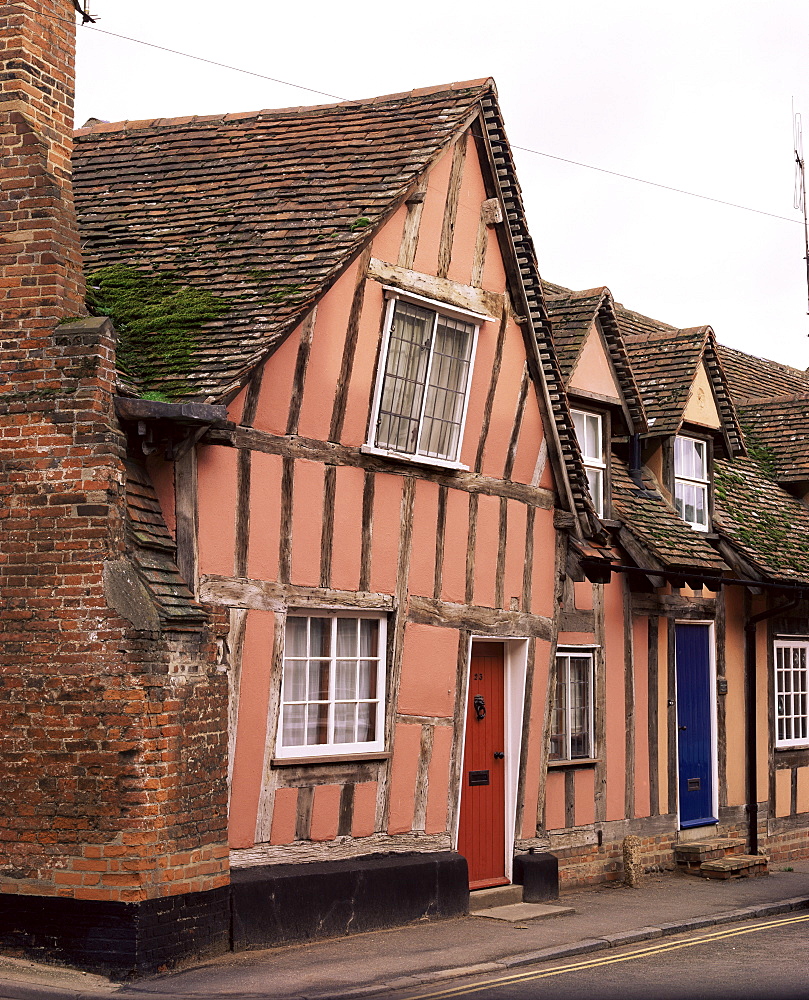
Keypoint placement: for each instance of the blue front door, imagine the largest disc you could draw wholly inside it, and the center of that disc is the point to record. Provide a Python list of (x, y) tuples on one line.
[(694, 730)]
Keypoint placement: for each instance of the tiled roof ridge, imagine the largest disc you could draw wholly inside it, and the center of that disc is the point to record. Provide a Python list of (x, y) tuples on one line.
[(731, 425), (755, 357), (483, 84), (526, 259), (620, 360), (789, 397)]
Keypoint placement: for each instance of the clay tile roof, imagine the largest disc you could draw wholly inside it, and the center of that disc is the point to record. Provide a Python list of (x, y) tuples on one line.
[(258, 215), (654, 523), (778, 435), (750, 377), (767, 525), (572, 314), (665, 363), (153, 553)]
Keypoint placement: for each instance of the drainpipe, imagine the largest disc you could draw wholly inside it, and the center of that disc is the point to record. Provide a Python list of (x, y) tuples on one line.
[(750, 671)]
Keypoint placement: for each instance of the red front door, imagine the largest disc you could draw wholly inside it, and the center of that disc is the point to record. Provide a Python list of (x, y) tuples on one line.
[(482, 833)]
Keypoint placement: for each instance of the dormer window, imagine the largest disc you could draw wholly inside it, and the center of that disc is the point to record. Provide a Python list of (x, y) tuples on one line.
[(691, 481), (590, 436)]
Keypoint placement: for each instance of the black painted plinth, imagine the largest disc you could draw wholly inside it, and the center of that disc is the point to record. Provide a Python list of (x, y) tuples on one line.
[(538, 874), (277, 904), (119, 939)]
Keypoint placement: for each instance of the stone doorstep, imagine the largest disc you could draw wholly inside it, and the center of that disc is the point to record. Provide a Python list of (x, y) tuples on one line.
[(691, 855), (735, 866), (519, 912), (499, 895)]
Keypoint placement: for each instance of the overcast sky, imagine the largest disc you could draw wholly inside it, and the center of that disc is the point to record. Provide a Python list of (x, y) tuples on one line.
[(697, 96)]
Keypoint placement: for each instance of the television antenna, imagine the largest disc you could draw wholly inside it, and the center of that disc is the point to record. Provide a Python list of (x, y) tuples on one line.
[(799, 200), (83, 8)]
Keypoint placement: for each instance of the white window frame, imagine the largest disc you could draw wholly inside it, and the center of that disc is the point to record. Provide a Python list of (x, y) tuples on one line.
[(331, 748), (564, 654), (785, 679), (475, 320), (593, 463), (697, 483)]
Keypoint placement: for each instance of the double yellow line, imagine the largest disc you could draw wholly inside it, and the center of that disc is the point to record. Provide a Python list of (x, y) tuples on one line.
[(602, 960)]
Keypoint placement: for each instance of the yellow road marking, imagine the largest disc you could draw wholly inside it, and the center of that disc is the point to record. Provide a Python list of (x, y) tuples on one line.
[(602, 960)]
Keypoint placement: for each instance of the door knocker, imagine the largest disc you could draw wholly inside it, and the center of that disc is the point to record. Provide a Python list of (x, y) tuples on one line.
[(480, 707)]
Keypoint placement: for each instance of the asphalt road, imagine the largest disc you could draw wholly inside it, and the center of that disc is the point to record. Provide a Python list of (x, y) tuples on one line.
[(756, 960)]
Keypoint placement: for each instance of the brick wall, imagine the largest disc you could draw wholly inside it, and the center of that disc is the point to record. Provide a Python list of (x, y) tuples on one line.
[(112, 765)]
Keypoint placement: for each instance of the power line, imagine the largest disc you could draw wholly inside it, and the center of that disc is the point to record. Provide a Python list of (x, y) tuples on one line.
[(524, 149), (212, 62), (665, 187)]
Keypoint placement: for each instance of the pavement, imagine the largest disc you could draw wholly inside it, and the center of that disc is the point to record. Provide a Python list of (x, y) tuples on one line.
[(429, 953)]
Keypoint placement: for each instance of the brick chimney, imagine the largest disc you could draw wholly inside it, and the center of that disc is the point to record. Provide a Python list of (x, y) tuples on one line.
[(112, 769), (40, 260)]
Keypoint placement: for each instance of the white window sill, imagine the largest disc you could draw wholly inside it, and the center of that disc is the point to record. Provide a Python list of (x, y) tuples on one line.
[(331, 758), (399, 456)]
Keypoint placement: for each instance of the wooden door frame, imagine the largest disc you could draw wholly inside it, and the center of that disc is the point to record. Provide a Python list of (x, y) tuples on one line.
[(712, 715), (515, 670)]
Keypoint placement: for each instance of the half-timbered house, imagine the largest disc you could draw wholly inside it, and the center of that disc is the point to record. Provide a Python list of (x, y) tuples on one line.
[(679, 707), (341, 396)]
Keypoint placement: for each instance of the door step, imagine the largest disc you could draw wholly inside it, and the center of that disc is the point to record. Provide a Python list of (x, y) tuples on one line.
[(735, 866), (500, 895), (691, 856), (516, 913)]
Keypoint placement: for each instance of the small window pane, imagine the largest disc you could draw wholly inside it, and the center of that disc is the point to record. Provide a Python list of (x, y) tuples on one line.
[(295, 638), (295, 680), (318, 679), (319, 636), (367, 679), (344, 729), (293, 729), (366, 722), (345, 684), (346, 637)]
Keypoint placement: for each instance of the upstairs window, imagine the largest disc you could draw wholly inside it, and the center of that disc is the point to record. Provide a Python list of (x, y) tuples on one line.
[(691, 481), (791, 707), (589, 434), (572, 734), (332, 691), (423, 387)]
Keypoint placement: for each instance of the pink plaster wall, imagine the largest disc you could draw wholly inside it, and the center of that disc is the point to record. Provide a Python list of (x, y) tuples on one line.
[(529, 440), (236, 407), (803, 789), (783, 792), (537, 710), (326, 356), (363, 822), (427, 684), (517, 516), (272, 410), (762, 704), (284, 816), (505, 403), (615, 704), (640, 638), (543, 563), (494, 273), (593, 372), (467, 219), (584, 809), (363, 372), (325, 812), (478, 391), (251, 727), (347, 547), (161, 474), (734, 699), (432, 216), (403, 778), (453, 580), (388, 240), (307, 522), (386, 527), (486, 547), (438, 780), (425, 522), (217, 509), (265, 502), (583, 596), (555, 800), (662, 716)]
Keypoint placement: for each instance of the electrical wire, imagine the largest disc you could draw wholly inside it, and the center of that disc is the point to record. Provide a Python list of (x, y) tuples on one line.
[(524, 149)]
